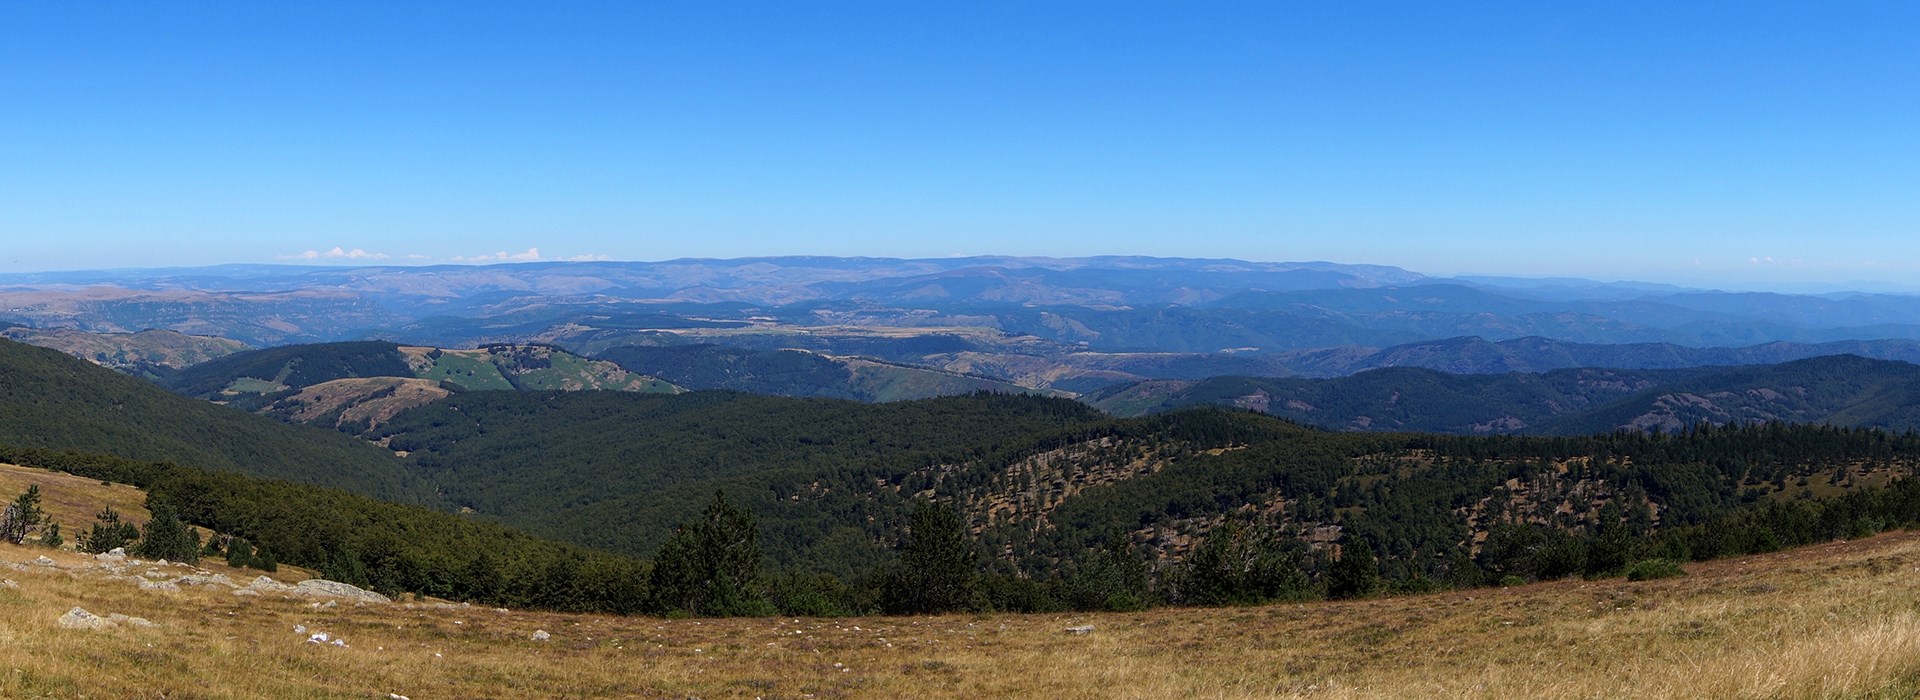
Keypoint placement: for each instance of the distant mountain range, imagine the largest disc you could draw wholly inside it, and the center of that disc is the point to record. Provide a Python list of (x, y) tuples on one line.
[(1841, 390), (1045, 305)]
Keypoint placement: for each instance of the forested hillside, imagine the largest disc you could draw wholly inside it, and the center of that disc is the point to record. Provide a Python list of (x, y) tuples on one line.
[(618, 470), (53, 401), (1841, 389)]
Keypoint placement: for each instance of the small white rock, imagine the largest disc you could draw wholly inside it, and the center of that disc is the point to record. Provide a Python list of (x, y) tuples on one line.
[(541, 636)]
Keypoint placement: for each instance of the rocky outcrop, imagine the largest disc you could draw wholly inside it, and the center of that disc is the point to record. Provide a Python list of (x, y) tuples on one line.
[(334, 589), (79, 619)]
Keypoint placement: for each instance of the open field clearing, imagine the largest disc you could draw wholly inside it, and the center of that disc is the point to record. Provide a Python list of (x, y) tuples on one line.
[(1840, 620)]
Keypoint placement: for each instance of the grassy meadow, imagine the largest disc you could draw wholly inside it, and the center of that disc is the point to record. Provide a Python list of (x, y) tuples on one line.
[(1833, 621)]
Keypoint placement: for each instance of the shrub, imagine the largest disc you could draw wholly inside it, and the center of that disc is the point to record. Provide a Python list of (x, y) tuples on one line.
[(1649, 569)]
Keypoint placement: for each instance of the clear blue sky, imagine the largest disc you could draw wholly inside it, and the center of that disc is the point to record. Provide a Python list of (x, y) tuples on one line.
[(1746, 143)]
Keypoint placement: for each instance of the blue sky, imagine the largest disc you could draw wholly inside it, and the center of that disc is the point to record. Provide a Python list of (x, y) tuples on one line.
[(1741, 143)]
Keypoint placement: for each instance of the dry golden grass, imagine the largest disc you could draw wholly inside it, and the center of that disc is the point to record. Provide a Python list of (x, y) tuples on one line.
[(70, 500), (1834, 621)]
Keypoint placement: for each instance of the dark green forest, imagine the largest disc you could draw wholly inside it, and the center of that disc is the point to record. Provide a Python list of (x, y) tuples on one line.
[(293, 366), (53, 401), (719, 503), (1838, 389)]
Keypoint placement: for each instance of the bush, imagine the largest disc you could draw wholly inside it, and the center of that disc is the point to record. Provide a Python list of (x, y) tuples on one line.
[(108, 534), (1649, 569)]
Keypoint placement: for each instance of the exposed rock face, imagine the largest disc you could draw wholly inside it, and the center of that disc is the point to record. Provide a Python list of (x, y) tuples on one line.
[(78, 619), (541, 636)]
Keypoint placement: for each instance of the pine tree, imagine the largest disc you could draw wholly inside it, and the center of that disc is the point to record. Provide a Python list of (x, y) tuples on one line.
[(52, 536), (165, 537), (1356, 573), (108, 533), (938, 569), (711, 567), (22, 516), (239, 553)]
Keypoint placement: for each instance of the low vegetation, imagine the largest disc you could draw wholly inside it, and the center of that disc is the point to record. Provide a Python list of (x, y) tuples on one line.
[(1828, 621)]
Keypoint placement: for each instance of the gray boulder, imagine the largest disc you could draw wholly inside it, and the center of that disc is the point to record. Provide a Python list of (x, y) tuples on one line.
[(78, 619), (334, 589)]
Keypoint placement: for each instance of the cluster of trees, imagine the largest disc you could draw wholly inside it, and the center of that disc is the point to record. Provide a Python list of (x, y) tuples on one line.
[(1398, 501)]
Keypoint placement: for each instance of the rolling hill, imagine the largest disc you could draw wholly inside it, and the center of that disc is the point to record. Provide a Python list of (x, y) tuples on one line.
[(799, 373), (149, 354), (351, 385), (1841, 390), (53, 401)]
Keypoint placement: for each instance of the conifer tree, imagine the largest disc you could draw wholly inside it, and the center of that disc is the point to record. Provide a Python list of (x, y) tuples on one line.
[(710, 567), (108, 533), (22, 516), (239, 553), (938, 569), (165, 537), (1356, 573)]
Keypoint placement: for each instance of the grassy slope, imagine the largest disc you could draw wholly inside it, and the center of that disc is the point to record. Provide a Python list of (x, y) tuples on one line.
[(50, 400), (1833, 620), (469, 370)]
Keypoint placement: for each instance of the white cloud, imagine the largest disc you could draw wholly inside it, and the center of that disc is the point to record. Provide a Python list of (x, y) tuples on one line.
[(590, 257), (336, 253), (531, 255)]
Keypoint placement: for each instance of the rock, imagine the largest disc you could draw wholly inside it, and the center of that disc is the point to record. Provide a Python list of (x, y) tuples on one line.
[(1080, 629), (264, 584), (299, 629), (397, 696), (205, 580), (150, 573), (8, 583), (130, 620), (319, 638), (78, 619), (43, 561), (327, 605), (118, 554), (342, 643), (162, 562), (541, 636), (336, 589), (146, 585), (246, 592)]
